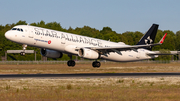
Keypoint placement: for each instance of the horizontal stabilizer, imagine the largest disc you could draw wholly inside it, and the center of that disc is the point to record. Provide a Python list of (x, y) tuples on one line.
[(150, 54)]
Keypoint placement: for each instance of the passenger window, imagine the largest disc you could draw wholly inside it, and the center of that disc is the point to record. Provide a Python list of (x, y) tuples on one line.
[(18, 29), (21, 30)]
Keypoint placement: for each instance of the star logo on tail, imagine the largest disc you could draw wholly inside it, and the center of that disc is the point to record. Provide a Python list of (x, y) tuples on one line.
[(148, 40)]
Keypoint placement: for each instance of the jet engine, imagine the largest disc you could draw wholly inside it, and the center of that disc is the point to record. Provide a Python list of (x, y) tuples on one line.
[(51, 53), (88, 53)]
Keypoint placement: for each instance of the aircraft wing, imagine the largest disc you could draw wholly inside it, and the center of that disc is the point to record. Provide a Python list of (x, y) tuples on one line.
[(104, 50), (126, 47), (121, 48)]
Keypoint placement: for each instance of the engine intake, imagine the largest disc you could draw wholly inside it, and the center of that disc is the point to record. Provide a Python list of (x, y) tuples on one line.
[(51, 53), (88, 53)]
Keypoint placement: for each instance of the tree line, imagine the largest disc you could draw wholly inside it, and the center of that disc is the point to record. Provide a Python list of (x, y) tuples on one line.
[(172, 41)]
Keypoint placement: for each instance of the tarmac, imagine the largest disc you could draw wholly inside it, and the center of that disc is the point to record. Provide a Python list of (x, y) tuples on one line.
[(89, 75)]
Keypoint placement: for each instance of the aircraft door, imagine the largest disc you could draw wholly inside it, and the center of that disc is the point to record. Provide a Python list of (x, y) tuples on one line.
[(63, 39), (31, 33)]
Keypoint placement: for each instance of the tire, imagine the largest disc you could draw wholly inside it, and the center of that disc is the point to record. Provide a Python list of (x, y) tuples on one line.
[(96, 64), (71, 63)]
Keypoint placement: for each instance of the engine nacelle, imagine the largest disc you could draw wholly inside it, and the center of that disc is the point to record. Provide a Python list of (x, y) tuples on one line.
[(88, 53), (51, 53)]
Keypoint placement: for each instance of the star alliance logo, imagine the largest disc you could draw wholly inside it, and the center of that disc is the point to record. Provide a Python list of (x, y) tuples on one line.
[(148, 40), (49, 42)]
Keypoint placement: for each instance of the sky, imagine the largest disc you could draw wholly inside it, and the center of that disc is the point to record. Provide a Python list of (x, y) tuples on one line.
[(120, 15)]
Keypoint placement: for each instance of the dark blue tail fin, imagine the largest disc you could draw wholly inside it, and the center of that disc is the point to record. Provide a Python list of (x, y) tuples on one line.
[(149, 37)]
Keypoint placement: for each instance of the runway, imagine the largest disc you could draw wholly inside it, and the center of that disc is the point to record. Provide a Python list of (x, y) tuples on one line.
[(88, 75)]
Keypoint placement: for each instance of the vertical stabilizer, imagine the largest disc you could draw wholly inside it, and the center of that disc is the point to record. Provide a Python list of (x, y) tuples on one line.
[(150, 35)]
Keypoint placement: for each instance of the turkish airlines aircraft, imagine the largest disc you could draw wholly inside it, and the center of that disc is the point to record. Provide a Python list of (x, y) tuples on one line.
[(54, 43)]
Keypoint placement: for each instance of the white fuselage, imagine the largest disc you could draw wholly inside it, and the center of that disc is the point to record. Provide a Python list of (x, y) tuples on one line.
[(68, 43)]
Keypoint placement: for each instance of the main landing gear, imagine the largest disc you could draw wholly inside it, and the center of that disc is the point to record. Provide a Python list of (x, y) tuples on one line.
[(96, 64), (71, 62)]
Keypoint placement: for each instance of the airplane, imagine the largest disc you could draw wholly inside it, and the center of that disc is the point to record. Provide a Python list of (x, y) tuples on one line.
[(54, 44)]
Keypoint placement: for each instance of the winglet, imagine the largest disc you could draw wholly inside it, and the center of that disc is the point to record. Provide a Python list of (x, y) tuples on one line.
[(162, 40)]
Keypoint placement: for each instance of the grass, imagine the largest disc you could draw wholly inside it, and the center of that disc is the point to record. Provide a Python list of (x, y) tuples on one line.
[(120, 81), (69, 86), (111, 67), (88, 89), (85, 89)]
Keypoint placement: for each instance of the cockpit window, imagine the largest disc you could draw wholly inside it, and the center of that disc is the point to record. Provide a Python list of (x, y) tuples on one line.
[(18, 29), (13, 28)]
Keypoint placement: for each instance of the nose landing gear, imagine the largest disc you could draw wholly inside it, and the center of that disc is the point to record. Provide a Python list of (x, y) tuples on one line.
[(22, 53), (24, 48)]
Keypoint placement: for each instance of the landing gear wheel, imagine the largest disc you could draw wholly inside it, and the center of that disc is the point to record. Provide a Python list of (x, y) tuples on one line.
[(22, 53), (71, 63), (96, 64), (24, 48)]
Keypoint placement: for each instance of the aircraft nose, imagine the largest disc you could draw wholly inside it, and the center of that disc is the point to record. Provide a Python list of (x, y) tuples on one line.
[(8, 35)]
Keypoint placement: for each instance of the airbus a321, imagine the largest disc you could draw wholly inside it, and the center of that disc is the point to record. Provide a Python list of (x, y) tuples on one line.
[(54, 43)]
